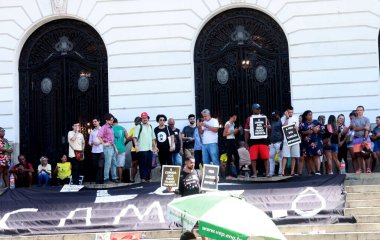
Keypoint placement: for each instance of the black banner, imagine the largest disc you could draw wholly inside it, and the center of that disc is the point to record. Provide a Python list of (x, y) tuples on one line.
[(170, 176), (291, 135), (27, 211), (210, 177)]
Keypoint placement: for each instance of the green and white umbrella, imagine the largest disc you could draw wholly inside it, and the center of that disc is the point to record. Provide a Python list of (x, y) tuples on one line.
[(222, 216)]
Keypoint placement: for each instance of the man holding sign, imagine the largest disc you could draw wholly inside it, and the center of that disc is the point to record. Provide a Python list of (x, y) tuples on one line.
[(190, 179), (256, 136), (291, 144)]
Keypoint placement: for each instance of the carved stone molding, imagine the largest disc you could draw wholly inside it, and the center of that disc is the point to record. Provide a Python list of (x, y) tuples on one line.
[(59, 6)]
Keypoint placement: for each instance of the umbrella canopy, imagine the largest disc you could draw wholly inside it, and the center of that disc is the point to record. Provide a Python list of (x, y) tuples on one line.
[(222, 216)]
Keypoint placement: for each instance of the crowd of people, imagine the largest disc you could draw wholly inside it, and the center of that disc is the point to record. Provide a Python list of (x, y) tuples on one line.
[(322, 148)]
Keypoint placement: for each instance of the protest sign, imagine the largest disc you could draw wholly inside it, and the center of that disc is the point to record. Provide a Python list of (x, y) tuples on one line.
[(210, 177), (170, 176)]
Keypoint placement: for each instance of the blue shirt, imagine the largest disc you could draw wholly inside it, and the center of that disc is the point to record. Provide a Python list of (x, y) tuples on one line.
[(198, 140)]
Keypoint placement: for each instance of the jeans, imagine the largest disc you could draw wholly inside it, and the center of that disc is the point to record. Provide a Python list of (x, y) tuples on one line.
[(274, 148), (232, 150), (109, 162), (145, 164), (43, 177), (176, 159), (210, 153)]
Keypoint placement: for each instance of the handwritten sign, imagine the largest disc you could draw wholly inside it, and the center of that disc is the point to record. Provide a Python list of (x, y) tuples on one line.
[(210, 177), (291, 134), (71, 188), (259, 127), (170, 176)]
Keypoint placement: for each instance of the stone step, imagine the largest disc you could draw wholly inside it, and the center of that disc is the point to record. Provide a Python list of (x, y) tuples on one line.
[(362, 188), (361, 196), (363, 203), (362, 211), (330, 228), (335, 236), (368, 218)]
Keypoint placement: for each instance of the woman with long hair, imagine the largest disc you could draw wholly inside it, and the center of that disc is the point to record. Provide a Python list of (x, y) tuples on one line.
[(330, 143), (342, 144), (312, 131)]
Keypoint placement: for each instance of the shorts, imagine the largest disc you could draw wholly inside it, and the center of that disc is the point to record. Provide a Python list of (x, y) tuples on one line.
[(359, 147), (5, 163), (334, 148), (292, 151), (134, 156), (261, 150), (120, 159), (376, 147)]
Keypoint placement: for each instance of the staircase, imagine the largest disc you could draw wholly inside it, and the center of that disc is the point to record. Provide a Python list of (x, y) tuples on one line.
[(362, 202)]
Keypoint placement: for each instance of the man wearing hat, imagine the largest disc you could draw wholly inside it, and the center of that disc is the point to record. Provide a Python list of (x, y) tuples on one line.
[(144, 140), (258, 144), (275, 141)]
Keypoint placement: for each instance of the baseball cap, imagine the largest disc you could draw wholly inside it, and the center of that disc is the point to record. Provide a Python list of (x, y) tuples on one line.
[(275, 113), (256, 106), (144, 115)]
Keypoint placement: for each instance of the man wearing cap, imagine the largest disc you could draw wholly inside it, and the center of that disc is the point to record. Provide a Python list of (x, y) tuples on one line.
[(145, 143), (133, 150), (275, 141), (208, 129), (294, 150), (258, 145)]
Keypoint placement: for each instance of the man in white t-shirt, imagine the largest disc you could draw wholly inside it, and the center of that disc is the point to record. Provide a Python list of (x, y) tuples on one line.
[(208, 129), (76, 143), (294, 150)]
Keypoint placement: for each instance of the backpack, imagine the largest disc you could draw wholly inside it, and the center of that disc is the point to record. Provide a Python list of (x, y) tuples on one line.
[(138, 136)]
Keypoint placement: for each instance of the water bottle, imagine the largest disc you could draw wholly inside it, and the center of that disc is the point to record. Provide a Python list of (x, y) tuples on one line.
[(343, 167), (12, 181)]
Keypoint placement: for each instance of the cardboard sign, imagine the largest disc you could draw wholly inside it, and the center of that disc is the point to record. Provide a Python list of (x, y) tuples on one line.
[(71, 188), (291, 134), (210, 177), (170, 176), (260, 130)]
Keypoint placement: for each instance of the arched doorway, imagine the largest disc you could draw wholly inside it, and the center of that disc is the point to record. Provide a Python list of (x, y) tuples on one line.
[(241, 57), (63, 80)]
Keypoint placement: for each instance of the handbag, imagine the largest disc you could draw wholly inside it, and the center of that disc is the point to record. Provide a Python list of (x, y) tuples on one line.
[(79, 155)]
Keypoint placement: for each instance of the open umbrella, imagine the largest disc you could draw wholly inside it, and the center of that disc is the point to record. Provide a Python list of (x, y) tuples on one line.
[(222, 216)]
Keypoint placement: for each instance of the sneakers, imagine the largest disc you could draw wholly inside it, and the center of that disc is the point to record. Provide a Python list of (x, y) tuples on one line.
[(318, 173), (369, 170), (254, 176)]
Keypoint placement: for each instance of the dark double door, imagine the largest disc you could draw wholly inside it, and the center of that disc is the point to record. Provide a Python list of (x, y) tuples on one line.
[(63, 80), (241, 57)]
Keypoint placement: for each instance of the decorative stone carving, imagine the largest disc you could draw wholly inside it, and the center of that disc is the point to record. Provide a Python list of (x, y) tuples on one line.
[(83, 83), (64, 45), (59, 6), (240, 35), (261, 73)]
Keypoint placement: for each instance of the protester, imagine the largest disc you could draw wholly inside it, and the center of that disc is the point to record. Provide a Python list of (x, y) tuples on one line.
[(145, 144), (76, 150), (197, 146), (312, 131), (342, 144), (23, 172), (208, 129), (275, 146), (165, 141), (44, 172), (350, 145), (362, 145), (231, 147), (322, 119), (120, 136), (330, 144), (187, 136), (176, 157), (190, 179), (5, 157), (375, 137), (244, 159), (293, 151), (135, 161), (97, 166), (258, 147), (63, 171), (107, 138)]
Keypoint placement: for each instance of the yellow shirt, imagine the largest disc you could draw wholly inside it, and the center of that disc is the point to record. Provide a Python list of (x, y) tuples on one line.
[(130, 135), (64, 170)]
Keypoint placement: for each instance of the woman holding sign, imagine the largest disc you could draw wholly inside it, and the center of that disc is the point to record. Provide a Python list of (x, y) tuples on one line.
[(312, 132)]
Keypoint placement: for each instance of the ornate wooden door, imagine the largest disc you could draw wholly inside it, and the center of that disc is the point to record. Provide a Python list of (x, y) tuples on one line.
[(63, 80), (241, 57)]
